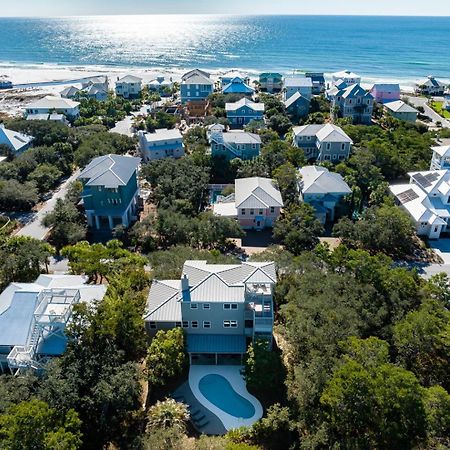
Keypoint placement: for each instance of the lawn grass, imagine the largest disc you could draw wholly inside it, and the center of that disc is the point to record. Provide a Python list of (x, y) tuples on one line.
[(437, 106)]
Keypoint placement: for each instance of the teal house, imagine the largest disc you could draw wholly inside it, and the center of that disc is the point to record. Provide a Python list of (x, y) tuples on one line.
[(297, 105), (242, 112), (110, 191)]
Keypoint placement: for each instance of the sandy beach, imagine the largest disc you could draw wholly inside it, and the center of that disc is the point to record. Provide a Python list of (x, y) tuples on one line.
[(35, 81)]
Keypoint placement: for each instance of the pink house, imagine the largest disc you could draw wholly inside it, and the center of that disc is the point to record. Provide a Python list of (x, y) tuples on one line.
[(384, 93), (256, 203)]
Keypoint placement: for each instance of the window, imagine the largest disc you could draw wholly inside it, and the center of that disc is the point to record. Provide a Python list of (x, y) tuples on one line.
[(227, 306), (272, 209), (230, 323), (194, 306), (152, 325), (328, 146), (327, 157), (341, 157), (334, 156), (260, 212), (230, 306), (206, 306), (194, 324), (343, 146), (178, 324), (234, 306), (206, 324), (243, 212), (185, 324), (252, 212)]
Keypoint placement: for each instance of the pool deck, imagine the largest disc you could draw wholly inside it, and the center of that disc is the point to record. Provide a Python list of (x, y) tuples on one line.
[(233, 375)]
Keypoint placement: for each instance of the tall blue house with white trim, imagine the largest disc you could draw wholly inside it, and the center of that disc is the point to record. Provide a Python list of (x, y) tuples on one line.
[(242, 112), (196, 85), (221, 307), (110, 191)]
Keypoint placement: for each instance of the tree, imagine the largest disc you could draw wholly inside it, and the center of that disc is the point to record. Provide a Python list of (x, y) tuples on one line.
[(280, 123), (166, 357), (298, 229), (22, 259), (287, 178), (167, 414), (66, 224), (34, 425), (437, 408), (15, 196), (385, 229), (422, 342), (45, 176)]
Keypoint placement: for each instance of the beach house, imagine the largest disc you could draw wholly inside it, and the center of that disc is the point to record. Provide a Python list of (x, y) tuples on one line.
[(233, 144), (297, 106), (430, 86), (242, 112), (196, 86), (238, 86), (70, 92), (110, 191), (228, 77), (221, 307), (129, 87), (323, 190), (441, 158), (271, 82), (385, 92), (160, 85), (34, 316), (318, 81), (352, 101), (427, 200), (302, 85), (322, 142), (256, 203), (346, 76), (15, 141), (51, 104), (160, 144), (401, 111)]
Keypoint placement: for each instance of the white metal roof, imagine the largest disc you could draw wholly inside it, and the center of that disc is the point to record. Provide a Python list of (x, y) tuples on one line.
[(52, 102), (129, 79), (324, 133), (318, 180), (162, 134), (257, 192), (298, 82), (443, 150), (400, 106), (244, 102), (13, 139)]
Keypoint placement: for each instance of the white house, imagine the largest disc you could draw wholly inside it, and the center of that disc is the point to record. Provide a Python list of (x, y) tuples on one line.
[(256, 203), (129, 86), (163, 143), (323, 190), (16, 141), (441, 158), (430, 86), (346, 76), (401, 111), (326, 142), (427, 200), (302, 85), (51, 104)]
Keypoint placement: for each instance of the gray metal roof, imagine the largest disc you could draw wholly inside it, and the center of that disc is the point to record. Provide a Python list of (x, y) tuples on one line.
[(13, 139), (400, 106), (294, 98), (298, 82), (244, 102), (164, 301), (257, 192), (318, 180), (110, 171)]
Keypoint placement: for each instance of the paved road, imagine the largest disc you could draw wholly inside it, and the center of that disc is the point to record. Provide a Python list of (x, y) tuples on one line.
[(124, 126), (33, 227), (434, 116)]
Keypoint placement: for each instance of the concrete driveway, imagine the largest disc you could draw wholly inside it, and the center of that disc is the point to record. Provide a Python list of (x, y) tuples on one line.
[(34, 228), (430, 113)]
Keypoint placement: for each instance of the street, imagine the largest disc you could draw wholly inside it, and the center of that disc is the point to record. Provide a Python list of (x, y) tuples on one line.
[(33, 227), (434, 116)]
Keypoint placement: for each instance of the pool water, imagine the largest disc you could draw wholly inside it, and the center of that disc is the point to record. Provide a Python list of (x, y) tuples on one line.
[(220, 393)]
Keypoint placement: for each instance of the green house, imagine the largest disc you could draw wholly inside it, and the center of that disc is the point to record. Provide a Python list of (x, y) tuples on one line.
[(110, 191)]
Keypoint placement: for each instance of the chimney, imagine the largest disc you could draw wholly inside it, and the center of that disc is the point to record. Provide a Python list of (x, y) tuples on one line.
[(185, 290)]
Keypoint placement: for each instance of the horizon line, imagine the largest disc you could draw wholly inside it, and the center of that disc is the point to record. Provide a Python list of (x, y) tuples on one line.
[(219, 14)]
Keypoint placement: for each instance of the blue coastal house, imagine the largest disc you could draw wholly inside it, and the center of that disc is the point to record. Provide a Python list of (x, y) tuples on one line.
[(298, 84), (271, 82), (238, 86), (163, 143), (110, 191), (318, 82), (297, 105), (242, 112), (196, 85), (233, 144)]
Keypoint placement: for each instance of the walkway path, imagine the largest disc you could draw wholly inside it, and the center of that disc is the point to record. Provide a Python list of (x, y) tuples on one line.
[(433, 115), (34, 227)]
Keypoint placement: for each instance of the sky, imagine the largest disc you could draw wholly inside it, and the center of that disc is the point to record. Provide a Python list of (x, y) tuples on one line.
[(46, 8)]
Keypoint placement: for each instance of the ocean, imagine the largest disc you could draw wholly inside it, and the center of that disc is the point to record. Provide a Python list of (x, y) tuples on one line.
[(390, 48)]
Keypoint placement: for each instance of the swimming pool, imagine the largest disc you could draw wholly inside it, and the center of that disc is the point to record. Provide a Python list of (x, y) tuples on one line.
[(220, 393)]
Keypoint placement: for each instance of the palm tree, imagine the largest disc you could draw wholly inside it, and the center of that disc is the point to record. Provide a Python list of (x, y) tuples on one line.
[(168, 414)]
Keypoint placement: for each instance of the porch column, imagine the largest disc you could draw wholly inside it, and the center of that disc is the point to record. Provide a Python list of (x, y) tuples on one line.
[(111, 222), (190, 359), (97, 222), (216, 359), (125, 220)]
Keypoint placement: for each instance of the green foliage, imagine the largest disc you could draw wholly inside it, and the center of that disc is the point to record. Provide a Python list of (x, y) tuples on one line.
[(178, 183), (45, 176), (298, 229), (286, 176), (100, 261), (437, 408), (385, 229), (34, 425), (15, 196), (22, 259), (44, 132), (13, 389), (168, 414), (160, 120), (166, 357)]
